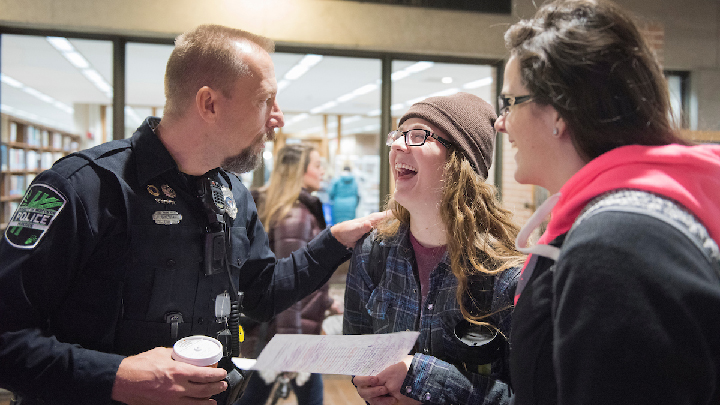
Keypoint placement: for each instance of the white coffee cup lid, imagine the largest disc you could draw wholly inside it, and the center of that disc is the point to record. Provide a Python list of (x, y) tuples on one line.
[(198, 350)]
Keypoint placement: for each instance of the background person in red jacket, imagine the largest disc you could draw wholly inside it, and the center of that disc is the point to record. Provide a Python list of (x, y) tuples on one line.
[(292, 217)]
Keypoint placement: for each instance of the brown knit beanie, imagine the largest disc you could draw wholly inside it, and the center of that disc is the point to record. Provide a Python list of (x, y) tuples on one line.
[(468, 121)]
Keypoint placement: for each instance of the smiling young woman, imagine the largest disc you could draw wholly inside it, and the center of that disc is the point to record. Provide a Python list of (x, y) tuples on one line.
[(448, 258)]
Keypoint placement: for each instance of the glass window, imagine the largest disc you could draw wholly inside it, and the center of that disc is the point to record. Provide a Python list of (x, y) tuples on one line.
[(677, 87), (62, 83), (334, 103), (144, 83), (55, 95)]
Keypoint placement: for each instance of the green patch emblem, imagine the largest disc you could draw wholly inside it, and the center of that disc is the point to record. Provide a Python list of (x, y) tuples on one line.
[(38, 209)]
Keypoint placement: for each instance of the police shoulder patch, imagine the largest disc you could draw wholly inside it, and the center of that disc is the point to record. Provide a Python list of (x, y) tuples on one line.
[(33, 217)]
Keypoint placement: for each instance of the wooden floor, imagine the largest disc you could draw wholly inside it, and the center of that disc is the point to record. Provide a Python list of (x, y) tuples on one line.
[(4, 397), (338, 391)]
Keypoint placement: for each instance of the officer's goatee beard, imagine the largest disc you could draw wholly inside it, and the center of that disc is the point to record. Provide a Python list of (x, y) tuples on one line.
[(247, 161)]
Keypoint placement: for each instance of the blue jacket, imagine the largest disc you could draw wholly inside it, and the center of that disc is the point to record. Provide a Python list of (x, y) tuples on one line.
[(344, 197)]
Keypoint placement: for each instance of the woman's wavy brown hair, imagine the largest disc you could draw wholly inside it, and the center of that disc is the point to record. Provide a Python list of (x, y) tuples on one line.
[(480, 232)]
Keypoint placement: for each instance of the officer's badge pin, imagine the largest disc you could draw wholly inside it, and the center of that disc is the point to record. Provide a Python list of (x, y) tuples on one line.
[(153, 190), (230, 206), (168, 191)]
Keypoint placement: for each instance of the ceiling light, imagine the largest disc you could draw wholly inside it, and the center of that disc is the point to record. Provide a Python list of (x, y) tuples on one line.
[(97, 80), (346, 97), (296, 119), (374, 113), (447, 80), (63, 107), (282, 84), (416, 100), (42, 96), (419, 67), (351, 119), (328, 105), (76, 59), (478, 83), (310, 60), (400, 74), (303, 66), (448, 92), (397, 106), (295, 72), (10, 81), (365, 89), (60, 43)]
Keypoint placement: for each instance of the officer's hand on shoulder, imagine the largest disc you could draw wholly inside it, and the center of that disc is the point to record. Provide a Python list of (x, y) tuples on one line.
[(348, 232), (153, 377)]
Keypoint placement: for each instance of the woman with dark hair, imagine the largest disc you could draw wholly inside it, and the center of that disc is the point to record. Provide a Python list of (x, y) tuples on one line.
[(444, 264), (618, 301), (292, 217)]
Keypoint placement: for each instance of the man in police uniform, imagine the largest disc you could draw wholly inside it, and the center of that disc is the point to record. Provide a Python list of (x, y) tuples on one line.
[(118, 251)]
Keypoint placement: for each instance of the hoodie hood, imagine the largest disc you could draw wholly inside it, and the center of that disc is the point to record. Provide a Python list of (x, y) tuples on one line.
[(689, 175)]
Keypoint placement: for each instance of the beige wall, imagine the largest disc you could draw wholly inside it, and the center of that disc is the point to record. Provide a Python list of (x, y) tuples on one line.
[(692, 26)]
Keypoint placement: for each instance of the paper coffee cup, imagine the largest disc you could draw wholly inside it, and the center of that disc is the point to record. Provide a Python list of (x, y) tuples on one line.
[(198, 350)]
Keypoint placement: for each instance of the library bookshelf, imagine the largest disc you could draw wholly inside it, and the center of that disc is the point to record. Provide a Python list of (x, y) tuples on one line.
[(26, 149)]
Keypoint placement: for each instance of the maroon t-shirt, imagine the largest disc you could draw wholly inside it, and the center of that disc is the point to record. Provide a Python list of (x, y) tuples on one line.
[(426, 259)]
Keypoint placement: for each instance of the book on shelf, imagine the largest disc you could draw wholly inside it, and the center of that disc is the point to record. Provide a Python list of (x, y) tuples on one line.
[(45, 139), (14, 185), (28, 180), (3, 157), (9, 210), (67, 143), (57, 140), (31, 160), (12, 136), (46, 160), (32, 136), (16, 159)]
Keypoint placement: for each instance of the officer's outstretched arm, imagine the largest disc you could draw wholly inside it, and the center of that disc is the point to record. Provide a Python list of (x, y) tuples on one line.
[(153, 377)]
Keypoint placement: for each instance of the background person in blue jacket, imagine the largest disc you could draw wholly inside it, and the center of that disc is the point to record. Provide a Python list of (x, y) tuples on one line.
[(344, 196)]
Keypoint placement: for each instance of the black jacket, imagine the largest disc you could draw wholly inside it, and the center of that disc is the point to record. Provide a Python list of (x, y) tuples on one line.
[(121, 246)]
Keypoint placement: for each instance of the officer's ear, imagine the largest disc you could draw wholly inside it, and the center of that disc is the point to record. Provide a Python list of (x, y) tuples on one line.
[(206, 103)]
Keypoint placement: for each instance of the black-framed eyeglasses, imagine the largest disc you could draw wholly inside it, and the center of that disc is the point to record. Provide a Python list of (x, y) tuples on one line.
[(505, 102), (415, 137)]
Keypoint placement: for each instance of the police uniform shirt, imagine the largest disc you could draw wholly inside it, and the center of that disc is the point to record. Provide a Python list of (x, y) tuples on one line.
[(110, 241)]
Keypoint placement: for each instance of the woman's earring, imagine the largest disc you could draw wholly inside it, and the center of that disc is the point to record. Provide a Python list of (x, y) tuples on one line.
[(556, 132)]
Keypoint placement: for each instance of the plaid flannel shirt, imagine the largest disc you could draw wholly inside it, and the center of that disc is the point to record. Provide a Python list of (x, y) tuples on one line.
[(395, 305)]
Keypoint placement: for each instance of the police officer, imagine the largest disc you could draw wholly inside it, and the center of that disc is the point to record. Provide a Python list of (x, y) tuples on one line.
[(118, 251)]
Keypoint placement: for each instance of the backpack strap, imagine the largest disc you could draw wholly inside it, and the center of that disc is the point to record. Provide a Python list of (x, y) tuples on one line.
[(658, 207), (376, 259)]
